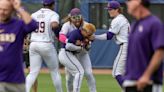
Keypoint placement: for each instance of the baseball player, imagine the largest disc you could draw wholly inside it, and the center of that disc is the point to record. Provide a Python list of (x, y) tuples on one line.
[(42, 45), (119, 31), (75, 21), (12, 33), (145, 50), (26, 58), (69, 57)]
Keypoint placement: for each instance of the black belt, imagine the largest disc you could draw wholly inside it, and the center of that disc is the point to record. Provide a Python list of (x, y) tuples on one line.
[(121, 44), (74, 52)]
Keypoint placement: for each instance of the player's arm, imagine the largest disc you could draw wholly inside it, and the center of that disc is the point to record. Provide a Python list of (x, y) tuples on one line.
[(105, 36), (73, 47), (63, 32), (114, 29), (156, 61), (55, 24), (24, 15), (73, 44)]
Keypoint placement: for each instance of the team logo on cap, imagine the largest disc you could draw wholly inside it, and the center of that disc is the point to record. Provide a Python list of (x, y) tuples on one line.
[(140, 28)]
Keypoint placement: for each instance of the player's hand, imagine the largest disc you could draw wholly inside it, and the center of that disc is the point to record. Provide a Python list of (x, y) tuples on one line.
[(78, 43), (91, 38), (143, 82), (16, 4), (86, 41)]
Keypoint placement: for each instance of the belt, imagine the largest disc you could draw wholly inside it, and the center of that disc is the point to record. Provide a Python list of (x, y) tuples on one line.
[(122, 43), (74, 52)]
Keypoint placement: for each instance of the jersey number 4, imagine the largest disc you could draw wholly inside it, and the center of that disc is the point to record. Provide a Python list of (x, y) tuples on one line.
[(41, 28)]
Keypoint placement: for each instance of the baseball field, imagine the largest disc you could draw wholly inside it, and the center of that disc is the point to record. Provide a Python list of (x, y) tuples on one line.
[(104, 82)]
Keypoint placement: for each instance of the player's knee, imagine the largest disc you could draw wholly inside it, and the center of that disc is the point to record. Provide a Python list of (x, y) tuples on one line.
[(81, 72), (88, 73), (35, 72)]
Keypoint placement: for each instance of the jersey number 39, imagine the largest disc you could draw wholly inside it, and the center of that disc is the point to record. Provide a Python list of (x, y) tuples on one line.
[(41, 28)]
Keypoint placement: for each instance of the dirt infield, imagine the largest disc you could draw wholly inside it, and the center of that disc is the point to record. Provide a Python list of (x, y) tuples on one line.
[(95, 71)]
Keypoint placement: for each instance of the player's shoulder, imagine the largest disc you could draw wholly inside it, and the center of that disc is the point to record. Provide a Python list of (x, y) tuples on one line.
[(55, 13), (16, 20), (75, 32), (36, 13), (154, 19), (68, 23), (119, 19)]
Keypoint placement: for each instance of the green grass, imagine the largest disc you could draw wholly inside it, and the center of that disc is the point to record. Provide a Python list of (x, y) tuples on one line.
[(105, 83)]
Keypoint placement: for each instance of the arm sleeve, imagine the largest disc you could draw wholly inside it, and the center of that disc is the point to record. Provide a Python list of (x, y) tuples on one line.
[(114, 27), (62, 38), (64, 29), (72, 47), (63, 33), (157, 36), (105, 36), (101, 37), (32, 26)]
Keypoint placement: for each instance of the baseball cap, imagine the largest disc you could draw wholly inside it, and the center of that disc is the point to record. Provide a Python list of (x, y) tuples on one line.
[(113, 5), (47, 2), (75, 11)]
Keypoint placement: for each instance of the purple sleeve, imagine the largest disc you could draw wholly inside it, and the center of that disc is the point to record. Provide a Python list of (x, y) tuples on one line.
[(32, 26), (157, 36), (110, 35)]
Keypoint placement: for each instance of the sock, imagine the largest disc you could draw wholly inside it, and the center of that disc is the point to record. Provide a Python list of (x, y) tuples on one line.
[(120, 79)]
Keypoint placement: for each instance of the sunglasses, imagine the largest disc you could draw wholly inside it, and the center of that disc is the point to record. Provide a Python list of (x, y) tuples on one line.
[(76, 17)]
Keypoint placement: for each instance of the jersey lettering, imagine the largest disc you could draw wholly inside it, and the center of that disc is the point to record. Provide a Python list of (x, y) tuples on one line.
[(41, 28)]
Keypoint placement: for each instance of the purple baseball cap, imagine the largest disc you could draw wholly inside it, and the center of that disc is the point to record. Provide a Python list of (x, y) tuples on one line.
[(113, 5), (47, 2), (75, 11)]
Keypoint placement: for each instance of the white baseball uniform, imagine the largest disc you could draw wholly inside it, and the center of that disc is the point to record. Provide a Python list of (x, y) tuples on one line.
[(84, 60), (42, 49), (120, 28)]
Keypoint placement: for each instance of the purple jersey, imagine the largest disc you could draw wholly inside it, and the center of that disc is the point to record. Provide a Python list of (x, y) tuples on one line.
[(73, 36), (12, 36), (146, 36)]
